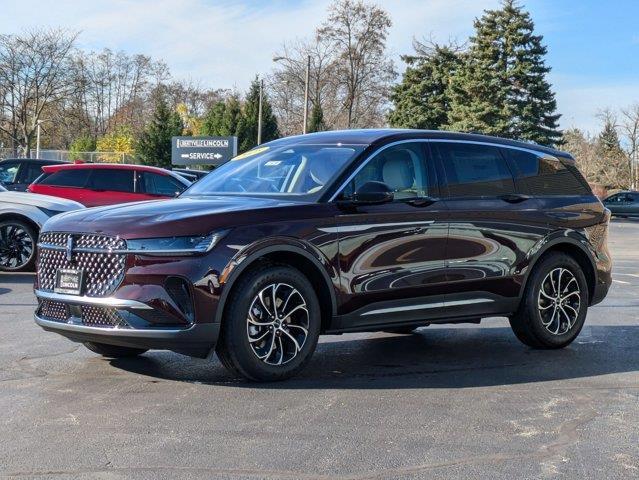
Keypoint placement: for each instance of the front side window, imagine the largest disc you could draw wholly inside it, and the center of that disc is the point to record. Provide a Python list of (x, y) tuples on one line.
[(288, 170), (110, 179), (401, 167), (30, 172), (474, 170), (156, 184), (67, 178), (8, 173)]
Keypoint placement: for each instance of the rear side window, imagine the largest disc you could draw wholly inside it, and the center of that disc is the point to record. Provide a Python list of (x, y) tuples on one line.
[(111, 179), (542, 175), (67, 178), (30, 172), (156, 184), (474, 170)]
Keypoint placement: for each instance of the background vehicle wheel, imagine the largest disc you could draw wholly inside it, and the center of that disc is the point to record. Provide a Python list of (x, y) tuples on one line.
[(17, 246), (554, 305), (272, 324), (113, 351)]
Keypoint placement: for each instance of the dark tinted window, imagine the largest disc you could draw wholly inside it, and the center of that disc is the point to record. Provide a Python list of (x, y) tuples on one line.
[(30, 171), (544, 175), (67, 178), (401, 167), (156, 184), (112, 180), (474, 170)]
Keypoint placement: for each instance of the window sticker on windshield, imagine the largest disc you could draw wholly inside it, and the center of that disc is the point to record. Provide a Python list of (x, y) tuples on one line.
[(250, 153), (273, 163)]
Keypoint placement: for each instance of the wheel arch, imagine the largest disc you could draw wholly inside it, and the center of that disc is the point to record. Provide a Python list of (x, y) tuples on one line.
[(297, 256), (22, 218), (574, 248)]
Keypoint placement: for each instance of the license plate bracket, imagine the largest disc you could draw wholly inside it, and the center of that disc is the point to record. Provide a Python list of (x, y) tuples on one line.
[(69, 281)]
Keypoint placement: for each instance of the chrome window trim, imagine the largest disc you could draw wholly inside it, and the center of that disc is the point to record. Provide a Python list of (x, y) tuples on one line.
[(96, 301), (434, 140)]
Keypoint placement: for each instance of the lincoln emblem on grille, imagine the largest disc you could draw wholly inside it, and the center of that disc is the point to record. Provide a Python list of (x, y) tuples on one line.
[(69, 249)]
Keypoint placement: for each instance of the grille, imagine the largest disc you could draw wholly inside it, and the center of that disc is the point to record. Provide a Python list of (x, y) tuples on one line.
[(101, 317), (54, 310), (103, 271)]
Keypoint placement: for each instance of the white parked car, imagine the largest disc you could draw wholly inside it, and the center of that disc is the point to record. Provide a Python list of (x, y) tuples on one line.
[(21, 217)]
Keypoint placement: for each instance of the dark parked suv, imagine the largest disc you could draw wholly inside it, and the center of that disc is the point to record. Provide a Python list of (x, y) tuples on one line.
[(328, 233)]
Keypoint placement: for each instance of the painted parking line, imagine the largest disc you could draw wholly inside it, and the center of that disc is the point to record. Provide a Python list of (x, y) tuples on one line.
[(629, 274), (621, 281)]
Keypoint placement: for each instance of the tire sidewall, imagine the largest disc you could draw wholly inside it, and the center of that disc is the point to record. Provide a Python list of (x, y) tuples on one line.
[(546, 337), (236, 324), (29, 265)]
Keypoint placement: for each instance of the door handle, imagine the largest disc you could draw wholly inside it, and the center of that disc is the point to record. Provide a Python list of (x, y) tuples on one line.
[(514, 197)]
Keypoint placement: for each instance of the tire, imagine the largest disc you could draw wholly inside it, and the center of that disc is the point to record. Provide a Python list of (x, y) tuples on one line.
[(17, 246), (542, 320), (281, 346), (114, 351)]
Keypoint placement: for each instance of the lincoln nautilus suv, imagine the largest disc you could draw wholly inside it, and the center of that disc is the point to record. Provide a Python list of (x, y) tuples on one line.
[(327, 233)]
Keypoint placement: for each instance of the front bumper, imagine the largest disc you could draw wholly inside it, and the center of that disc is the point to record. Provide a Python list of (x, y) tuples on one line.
[(195, 339)]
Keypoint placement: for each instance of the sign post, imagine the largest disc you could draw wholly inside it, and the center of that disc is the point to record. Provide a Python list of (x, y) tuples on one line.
[(202, 150)]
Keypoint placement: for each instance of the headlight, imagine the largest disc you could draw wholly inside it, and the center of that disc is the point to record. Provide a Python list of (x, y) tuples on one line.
[(175, 245)]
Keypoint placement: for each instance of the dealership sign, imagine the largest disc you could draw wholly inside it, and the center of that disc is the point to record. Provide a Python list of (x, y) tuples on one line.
[(203, 150)]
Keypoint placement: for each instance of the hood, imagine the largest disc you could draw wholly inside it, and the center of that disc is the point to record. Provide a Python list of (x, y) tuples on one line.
[(165, 218), (43, 201)]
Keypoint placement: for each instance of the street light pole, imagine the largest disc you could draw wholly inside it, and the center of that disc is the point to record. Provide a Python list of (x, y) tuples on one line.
[(308, 72), (259, 114), (38, 138)]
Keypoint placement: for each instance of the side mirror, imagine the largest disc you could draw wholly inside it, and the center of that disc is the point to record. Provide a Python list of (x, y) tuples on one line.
[(373, 193)]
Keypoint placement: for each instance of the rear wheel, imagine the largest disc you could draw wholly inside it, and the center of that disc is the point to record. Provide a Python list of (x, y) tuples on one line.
[(17, 246), (113, 351), (272, 324), (554, 305)]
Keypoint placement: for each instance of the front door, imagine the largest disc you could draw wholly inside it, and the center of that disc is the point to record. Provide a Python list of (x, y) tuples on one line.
[(391, 256)]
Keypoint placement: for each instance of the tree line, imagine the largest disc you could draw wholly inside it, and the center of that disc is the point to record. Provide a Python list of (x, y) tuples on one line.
[(495, 82)]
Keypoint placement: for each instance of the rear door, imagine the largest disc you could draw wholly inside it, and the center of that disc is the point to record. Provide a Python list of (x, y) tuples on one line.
[(493, 226), (110, 186), (391, 256)]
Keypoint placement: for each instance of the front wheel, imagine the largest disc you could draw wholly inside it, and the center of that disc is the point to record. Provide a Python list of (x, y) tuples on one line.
[(272, 325), (554, 305), (17, 246)]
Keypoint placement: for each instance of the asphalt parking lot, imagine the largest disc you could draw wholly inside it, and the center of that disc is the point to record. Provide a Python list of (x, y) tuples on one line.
[(448, 402)]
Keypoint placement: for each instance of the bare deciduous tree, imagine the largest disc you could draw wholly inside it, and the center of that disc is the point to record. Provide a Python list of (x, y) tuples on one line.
[(358, 32), (34, 76)]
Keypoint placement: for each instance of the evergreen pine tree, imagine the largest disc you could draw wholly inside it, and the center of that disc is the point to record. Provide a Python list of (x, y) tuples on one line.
[(223, 118), (154, 145), (608, 140), (421, 99), (247, 126), (316, 123), (502, 88)]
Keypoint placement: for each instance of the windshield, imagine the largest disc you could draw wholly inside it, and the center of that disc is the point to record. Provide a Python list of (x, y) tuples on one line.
[(287, 170)]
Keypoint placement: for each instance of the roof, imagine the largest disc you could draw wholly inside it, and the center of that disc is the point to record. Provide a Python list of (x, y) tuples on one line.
[(383, 135), (36, 160), (107, 166)]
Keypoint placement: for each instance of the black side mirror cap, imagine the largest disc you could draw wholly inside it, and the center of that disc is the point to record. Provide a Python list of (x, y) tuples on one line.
[(372, 193)]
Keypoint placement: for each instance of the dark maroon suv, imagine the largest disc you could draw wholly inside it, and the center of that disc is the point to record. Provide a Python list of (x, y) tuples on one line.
[(328, 233)]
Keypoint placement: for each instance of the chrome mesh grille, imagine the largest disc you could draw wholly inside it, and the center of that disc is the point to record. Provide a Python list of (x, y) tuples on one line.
[(101, 317), (54, 310), (103, 270)]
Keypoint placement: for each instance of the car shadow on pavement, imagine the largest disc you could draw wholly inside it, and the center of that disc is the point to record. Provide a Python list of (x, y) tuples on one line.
[(431, 358), (20, 278)]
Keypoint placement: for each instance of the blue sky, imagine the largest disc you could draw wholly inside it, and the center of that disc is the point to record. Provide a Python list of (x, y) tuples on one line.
[(593, 45)]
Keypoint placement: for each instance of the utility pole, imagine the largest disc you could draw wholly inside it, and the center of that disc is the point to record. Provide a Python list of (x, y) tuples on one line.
[(38, 138), (259, 113), (308, 72)]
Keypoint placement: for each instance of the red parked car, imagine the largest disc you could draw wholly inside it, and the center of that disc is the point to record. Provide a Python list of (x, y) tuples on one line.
[(97, 184)]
